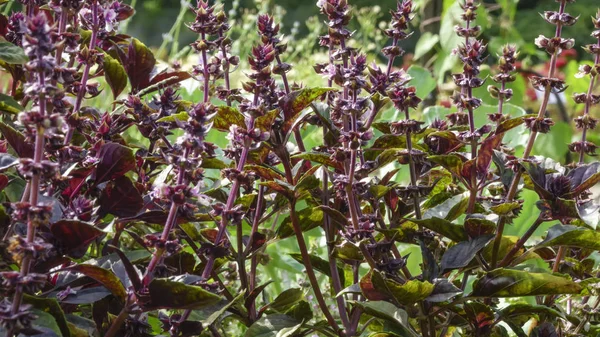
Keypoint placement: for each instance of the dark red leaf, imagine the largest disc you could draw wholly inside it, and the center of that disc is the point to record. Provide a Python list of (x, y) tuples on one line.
[(484, 156), (130, 269), (124, 12), (74, 236), (76, 177), (3, 181), (120, 198), (170, 77), (17, 141), (114, 161), (140, 64)]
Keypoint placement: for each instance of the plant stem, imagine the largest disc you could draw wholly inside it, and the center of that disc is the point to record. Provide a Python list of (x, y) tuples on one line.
[(62, 24), (521, 242), (118, 322), (234, 191), (512, 190), (588, 104), (413, 170), (86, 71), (473, 190), (309, 268), (34, 189)]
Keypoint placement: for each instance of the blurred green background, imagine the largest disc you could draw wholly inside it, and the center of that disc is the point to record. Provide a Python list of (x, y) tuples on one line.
[(155, 17)]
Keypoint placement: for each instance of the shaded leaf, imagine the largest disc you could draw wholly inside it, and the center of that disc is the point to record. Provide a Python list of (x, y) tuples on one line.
[(308, 218), (265, 122), (389, 313), (50, 306), (584, 177), (444, 227), (443, 291), (17, 141), (511, 123), (115, 75), (12, 54), (298, 100), (140, 64), (516, 283), (571, 236), (86, 296), (518, 309), (287, 299), (114, 161), (320, 158), (319, 265), (120, 198), (168, 294), (265, 172), (7, 161), (461, 254), (103, 276), (9, 105), (269, 325), (74, 236)]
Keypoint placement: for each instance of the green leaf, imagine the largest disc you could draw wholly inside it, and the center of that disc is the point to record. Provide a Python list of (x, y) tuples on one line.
[(168, 294), (9, 105), (44, 323), (269, 325), (389, 313), (554, 144), (103, 276), (517, 283), (297, 101), (335, 215), (443, 291), (265, 172), (426, 42), (287, 299), (461, 254), (12, 54), (571, 236), (320, 158), (450, 162), (523, 309), (511, 123), (407, 293), (181, 116), (280, 187), (51, 307), (308, 218), (444, 227), (347, 251), (115, 75), (319, 265), (228, 116), (210, 314), (265, 122), (422, 79)]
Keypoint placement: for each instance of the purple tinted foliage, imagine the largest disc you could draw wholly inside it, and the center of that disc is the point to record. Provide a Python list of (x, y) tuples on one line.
[(125, 219)]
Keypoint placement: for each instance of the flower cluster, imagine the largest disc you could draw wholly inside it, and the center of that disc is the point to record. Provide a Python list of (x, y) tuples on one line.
[(506, 64), (40, 122), (589, 99)]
